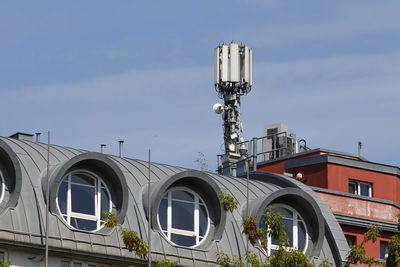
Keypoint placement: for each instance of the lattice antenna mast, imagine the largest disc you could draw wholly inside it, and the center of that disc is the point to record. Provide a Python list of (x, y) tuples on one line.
[(232, 79)]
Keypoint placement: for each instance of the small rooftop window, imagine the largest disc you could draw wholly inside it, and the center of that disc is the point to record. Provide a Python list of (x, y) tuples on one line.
[(82, 197), (360, 188)]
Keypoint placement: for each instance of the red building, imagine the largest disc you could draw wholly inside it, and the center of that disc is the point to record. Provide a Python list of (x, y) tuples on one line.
[(357, 191)]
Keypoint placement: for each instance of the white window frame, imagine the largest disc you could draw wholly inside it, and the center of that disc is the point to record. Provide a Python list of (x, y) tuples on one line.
[(97, 198), (2, 186), (295, 237), (196, 219), (358, 187)]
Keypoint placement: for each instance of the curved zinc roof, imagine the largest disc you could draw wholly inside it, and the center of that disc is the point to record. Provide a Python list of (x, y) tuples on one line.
[(24, 223)]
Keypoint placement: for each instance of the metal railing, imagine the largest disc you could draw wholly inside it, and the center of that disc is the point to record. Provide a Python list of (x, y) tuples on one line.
[(257, 148)]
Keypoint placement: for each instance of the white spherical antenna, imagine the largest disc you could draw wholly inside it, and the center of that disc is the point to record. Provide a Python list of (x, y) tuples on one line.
[(218, 108)]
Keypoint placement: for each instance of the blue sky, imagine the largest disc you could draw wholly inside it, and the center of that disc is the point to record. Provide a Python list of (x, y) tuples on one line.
[(96, 72)]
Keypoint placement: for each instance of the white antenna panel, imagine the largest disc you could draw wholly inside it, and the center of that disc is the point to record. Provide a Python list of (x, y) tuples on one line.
[(244, 65), (234, 68), (216, 65), (224, 64), (250, 67)]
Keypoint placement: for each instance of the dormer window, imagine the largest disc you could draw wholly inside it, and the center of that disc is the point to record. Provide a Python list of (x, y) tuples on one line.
[(82, 197), (360, 188), (295, 227), (183, 217)]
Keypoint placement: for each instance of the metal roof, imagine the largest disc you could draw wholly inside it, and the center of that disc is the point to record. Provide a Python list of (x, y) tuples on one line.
[(24, 223)]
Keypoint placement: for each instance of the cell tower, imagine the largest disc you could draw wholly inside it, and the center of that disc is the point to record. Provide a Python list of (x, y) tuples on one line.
[(232, 79)]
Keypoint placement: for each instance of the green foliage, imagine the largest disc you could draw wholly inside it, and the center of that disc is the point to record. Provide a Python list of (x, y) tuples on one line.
[(393, 258), (166, 263), (251, 229), (223, 260), (357, 252), (5, 264), (296, 258), (373, 232), (131, 239), (283, 257), (109, 218), (228, 201), (254, 261), (325, 263), (274, 226), (134, 243)]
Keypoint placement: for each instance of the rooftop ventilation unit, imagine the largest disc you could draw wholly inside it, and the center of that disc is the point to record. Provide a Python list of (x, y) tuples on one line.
[(278, 142), (22, 136)]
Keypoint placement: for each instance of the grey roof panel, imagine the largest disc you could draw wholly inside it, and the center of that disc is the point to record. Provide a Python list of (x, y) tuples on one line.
[(28, 215)]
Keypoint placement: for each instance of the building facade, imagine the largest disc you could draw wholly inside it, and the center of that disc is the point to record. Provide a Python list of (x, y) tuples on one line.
[(358, 192)]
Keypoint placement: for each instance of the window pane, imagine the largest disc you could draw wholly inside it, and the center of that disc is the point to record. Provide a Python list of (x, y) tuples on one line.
[(83, 224), (82, 199), (64, 264), (289, 230), (203, 223), (77, 264), (350, 240), (82, 179), (62, 197), (284, 212), (183, 240), (301, 236), (352, 188), (105, 200), (364, 189), (91, 265), (2, 255), (383, 249), (162, 214), (182, 195), (183, 215)]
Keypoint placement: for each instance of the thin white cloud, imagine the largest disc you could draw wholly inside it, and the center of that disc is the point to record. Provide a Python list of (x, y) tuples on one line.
[(346, 23)]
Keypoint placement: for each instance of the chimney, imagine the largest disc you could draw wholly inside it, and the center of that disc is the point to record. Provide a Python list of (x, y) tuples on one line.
[(121, 148), (103, 148), (38, 137)]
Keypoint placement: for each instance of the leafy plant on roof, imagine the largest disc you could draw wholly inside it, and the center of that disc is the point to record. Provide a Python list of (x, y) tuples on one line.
[(252, 231), (166, 263), (228, 202), (131, 239), (5, 264), (274, 228)]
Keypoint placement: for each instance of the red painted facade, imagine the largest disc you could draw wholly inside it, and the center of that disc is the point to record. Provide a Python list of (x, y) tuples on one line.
[(334, 176)]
